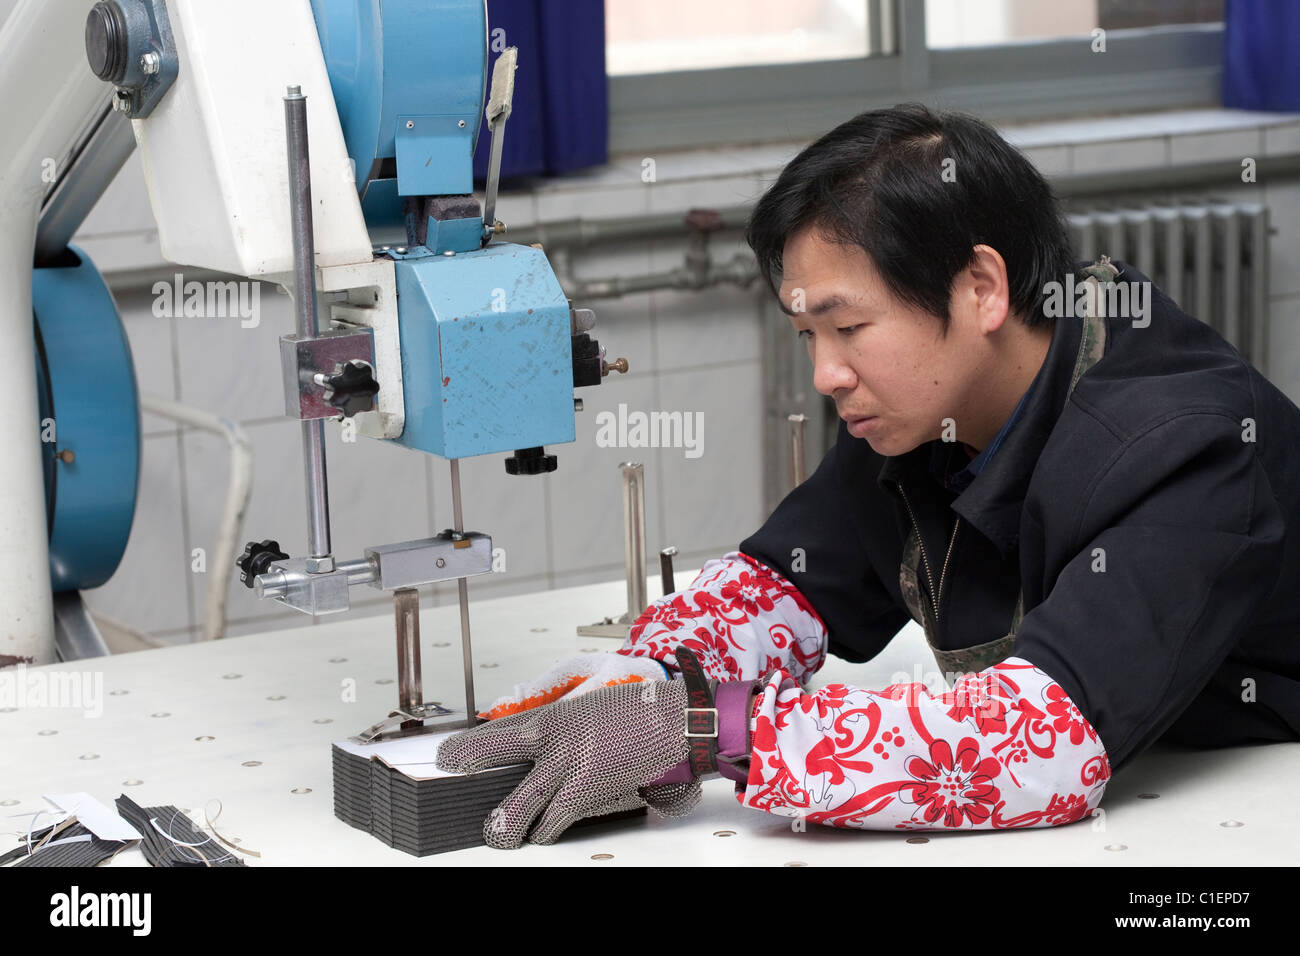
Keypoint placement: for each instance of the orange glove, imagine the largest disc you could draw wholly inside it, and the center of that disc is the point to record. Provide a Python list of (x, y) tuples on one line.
[(576, 676)]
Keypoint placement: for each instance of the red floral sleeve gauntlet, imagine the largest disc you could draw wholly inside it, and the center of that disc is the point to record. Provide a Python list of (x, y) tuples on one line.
[(1006, 748), (740, 617)]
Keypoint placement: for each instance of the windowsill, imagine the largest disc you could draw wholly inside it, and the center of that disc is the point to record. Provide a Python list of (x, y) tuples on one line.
[(1109, 145), (719, 177)]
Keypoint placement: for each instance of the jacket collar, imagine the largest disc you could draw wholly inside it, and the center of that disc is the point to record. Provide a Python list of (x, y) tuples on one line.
[(994, 500)]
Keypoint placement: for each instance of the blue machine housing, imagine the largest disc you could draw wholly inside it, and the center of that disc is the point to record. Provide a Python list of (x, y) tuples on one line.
[(486, 344), (409, 79), (487, 358), (87, 387)]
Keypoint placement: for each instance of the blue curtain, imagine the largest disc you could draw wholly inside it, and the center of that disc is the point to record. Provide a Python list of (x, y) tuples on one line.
[(1261, 54), (560, 118)]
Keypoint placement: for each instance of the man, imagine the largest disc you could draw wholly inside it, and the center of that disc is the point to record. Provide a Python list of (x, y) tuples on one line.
[(1082, 493)]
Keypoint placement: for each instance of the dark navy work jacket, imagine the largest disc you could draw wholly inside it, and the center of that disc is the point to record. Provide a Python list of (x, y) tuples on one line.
[(1146, 519)]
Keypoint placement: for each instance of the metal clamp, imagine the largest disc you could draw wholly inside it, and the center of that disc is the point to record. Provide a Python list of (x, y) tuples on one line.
[(383, 731)]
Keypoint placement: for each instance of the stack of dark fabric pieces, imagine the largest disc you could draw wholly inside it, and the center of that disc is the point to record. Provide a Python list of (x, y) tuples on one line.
[(420, 811)]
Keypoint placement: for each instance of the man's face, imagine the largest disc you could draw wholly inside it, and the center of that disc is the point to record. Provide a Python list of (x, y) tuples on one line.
[(893, 375)]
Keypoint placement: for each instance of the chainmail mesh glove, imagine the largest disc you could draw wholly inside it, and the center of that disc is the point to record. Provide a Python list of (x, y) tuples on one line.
[(591, 755)]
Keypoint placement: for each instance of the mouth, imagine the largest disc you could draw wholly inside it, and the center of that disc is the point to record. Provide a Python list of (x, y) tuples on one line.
[(860, 426)]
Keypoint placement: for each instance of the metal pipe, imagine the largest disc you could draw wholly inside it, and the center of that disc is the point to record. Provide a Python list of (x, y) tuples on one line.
[(276, 583), (304, 275), (588, 232), (740, 270), (462, 590), (634, 537), (316, 479), (796, 448), (666, 569)]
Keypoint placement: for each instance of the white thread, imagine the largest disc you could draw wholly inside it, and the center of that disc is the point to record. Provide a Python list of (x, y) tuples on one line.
[(203, 859)]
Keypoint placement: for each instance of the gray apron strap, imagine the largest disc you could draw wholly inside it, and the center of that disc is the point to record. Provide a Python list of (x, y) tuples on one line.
[(966, 660)]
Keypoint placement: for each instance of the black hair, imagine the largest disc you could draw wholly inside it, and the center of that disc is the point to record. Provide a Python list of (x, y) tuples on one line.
[(917, 191)]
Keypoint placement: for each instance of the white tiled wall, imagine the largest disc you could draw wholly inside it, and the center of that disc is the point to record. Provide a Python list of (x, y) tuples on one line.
[(688, 352)]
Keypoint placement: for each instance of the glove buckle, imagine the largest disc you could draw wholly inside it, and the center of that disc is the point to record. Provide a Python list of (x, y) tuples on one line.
[(701, 721)]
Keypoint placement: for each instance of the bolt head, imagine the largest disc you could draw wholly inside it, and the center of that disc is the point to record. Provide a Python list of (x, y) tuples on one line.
[(122, 101), (150, 63), (320, 565)]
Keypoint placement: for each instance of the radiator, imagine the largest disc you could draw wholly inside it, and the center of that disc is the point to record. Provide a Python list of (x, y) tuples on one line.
[(1209, 256)]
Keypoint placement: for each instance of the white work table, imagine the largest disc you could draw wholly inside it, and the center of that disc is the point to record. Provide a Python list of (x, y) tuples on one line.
[(276, 699)]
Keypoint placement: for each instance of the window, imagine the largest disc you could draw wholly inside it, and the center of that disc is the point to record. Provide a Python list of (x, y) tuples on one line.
[(963, 23), (670, 35), (689, 73)]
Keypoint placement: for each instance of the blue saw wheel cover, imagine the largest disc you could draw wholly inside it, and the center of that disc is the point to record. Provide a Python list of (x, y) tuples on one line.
[(87, 387)]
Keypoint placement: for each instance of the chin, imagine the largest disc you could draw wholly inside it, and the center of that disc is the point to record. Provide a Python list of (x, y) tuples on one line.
[(891, 446)]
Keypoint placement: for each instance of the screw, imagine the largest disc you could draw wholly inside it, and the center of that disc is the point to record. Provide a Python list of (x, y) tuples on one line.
[(461, 124), (122, 101), (410, 124), (150, 64)]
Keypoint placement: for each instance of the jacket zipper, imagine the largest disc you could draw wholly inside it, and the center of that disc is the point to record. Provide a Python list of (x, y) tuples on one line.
[(937, 594)]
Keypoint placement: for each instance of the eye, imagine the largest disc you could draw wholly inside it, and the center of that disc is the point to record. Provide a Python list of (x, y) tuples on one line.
[(849, 329), (805, 334)]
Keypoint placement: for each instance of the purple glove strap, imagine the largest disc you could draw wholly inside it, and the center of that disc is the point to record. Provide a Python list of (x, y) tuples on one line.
[(732, 701)]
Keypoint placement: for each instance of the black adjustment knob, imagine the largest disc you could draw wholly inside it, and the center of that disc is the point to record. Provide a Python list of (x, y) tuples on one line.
[(586, 360), (531, 461), (107, 46), (352, 388), (257, 559)]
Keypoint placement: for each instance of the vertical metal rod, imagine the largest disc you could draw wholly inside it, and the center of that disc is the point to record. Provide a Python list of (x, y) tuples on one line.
[(796, 448), (634, 537), (410, 682), (666, 569), (304, 300), (494, 176), (462, 588)]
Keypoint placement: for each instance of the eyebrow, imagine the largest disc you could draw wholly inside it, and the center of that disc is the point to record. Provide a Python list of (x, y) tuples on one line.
[(825, 305)]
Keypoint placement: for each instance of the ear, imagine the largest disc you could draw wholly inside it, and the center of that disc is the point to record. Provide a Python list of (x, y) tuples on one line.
[(985, 288)]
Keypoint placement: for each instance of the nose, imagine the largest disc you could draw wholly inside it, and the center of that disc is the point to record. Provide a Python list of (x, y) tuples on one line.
[(830, 371)]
